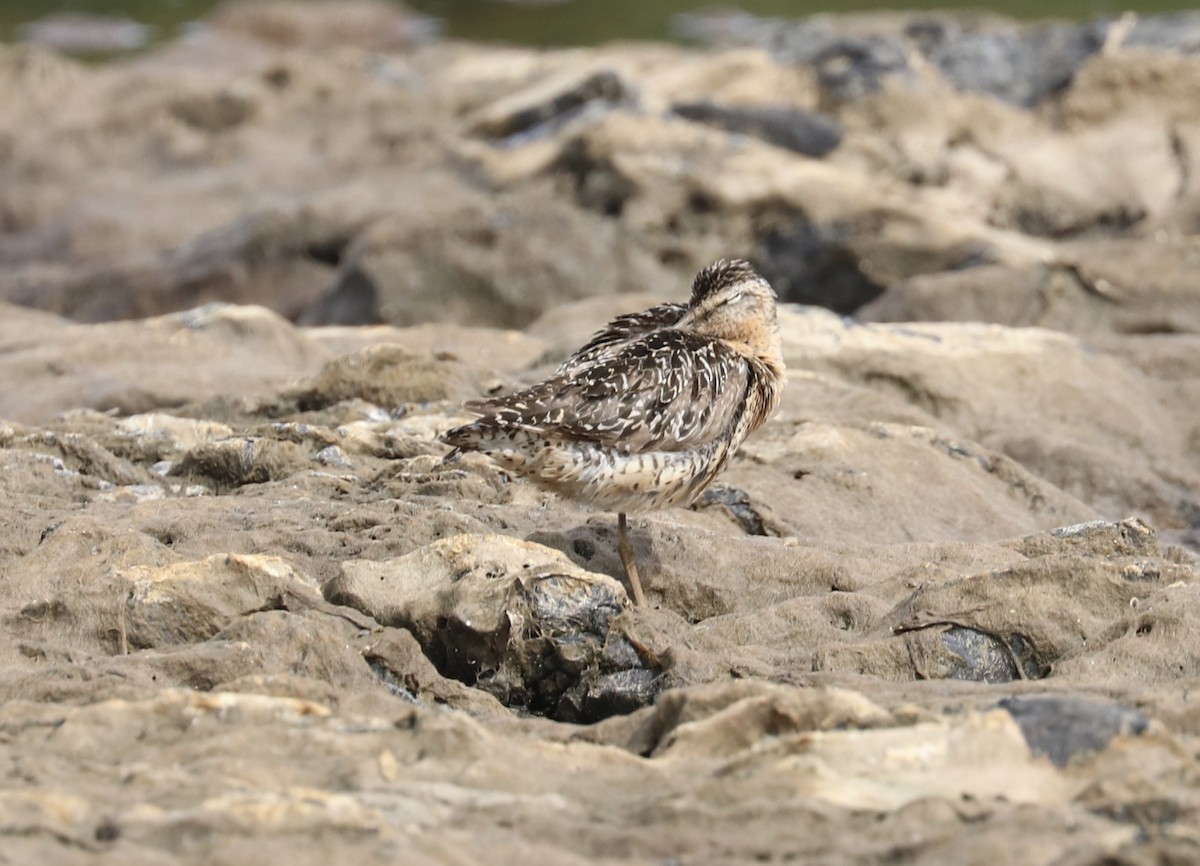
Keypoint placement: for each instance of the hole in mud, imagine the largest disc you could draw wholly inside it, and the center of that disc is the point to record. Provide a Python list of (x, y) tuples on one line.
[(560, 655), (328, 252), (701, 202)]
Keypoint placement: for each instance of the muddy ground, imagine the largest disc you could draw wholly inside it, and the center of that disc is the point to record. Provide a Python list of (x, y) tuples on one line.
[(942, 608)]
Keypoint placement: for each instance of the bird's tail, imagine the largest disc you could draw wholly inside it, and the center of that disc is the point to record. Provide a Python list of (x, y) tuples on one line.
[(462, 439)]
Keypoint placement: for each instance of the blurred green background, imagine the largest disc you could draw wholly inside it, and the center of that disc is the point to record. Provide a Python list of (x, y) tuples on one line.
[(578, 22)]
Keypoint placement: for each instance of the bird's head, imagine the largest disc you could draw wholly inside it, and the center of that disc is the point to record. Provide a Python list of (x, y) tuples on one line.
[(732, 302)]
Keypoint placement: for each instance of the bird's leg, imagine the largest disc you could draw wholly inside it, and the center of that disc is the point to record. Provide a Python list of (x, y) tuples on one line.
[(626, 550)]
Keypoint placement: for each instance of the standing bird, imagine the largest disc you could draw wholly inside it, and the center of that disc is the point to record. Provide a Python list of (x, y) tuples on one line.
[(650, 411)]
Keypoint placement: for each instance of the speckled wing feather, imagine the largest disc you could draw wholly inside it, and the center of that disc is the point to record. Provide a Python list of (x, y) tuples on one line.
[(667, 390), (618, 332)]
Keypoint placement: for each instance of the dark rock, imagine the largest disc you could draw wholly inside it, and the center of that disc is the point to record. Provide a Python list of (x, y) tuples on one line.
[(612, 694), (986, 658), (731, 26), (849, 69), (550, 105), (354, 300), (737, 504), (395, 657), (1018, 65), (814, 264), (848, 66), (1061, 727), (599, 185), (806, 132)]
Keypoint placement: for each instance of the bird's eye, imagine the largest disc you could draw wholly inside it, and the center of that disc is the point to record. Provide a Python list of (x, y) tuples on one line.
[(734, 298)]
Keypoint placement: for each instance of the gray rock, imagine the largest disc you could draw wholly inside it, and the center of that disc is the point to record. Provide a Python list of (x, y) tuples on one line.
[(1018, 65), (806, 132), (1176, 31), (850, 68), (1062, 727), (87, 34), (550, 105), (987, 658)]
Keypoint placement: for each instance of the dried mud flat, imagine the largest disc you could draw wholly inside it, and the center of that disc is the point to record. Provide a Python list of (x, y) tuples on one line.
[(942, 609)]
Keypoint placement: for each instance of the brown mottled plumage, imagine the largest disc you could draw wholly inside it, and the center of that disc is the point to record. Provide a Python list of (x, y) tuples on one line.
[(650, 411)]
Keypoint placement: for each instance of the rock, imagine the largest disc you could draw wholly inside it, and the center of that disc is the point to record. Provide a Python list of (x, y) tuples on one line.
[(812, 264), (730, 718), (371, 25), (984, 657), (1179, 31), (498, 266), (1052, 365), (1098, 537), (175, 434), (851, 62), (1065, 727), (239, 349), (737, 504), (214, 112), (232, 463), (86, 34), (808, 133), (185, 602), (551, 103), (1022, 66), (1121, 286), (387, 375), (849, 69), (515, 619), (189, 602)]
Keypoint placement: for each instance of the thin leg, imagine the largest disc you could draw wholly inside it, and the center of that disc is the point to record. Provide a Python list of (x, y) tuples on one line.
[(626, 550)]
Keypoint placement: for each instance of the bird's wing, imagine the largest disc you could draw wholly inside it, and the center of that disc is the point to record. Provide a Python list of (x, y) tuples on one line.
[(668, 390), (608, 341)]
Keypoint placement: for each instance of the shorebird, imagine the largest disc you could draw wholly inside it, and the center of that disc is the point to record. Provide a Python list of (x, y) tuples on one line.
[(651, 409)]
